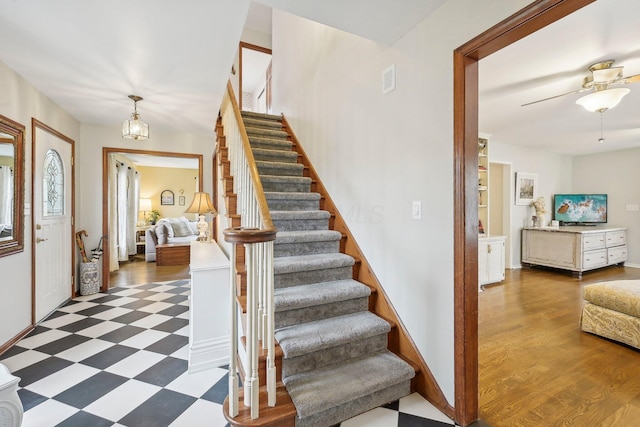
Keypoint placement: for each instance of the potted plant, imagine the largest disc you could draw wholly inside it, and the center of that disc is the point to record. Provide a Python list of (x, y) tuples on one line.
[(153, 216)]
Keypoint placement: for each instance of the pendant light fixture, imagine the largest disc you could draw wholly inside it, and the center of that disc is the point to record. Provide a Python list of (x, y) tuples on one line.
[(135, 128)]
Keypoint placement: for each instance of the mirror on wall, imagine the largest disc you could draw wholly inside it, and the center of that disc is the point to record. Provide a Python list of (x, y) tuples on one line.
[(11, 187)]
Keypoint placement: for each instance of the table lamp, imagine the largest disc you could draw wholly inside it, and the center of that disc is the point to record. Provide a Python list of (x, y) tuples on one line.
[(201, 205), (145, 206)]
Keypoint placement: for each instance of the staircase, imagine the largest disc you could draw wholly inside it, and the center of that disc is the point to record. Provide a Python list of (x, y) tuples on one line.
[(335, 361)]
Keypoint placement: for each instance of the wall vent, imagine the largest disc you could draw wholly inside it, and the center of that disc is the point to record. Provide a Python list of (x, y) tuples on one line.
[(389, 79)]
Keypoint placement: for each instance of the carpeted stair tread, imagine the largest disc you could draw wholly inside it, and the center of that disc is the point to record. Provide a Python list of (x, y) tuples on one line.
[(260, 123), (296, 264), (271, 133), (285, 179), (309, 337), (268, 143), (261, 116), (266, 154), (283, 195), (278, 201), (336, 385), (299, 215), (319, 293), (269, 168), (307, 236)]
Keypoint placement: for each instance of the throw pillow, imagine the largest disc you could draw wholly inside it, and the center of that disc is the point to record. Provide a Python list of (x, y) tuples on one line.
[(167, 222), (162, 234), (194, 227), (181, 228)]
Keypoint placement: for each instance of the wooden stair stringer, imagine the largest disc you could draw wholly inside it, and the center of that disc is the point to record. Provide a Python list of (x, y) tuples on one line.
[(401, 342)]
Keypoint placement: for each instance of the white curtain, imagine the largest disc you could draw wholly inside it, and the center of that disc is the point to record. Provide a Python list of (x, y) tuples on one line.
[(113, 213), (124, 194), (133, 197), (6, 197)]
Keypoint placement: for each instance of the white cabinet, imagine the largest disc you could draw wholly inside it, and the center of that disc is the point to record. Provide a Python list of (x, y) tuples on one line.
[(576, 249), (209, 318), (490, 259)]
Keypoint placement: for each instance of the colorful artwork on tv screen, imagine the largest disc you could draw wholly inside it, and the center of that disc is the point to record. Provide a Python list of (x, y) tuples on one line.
[(580, 208)]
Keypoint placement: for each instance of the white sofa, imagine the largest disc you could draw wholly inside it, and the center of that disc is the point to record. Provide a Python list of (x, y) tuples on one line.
[(168, 230)]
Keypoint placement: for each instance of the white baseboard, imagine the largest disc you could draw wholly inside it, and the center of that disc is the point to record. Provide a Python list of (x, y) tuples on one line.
[(208, 354)]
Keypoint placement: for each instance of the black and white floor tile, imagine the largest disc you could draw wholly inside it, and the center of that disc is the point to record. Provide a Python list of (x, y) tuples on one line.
[(120, 359)]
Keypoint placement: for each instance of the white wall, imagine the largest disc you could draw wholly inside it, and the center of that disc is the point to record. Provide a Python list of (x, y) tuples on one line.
[(377, 153), (617, 174), (554, 176), (89, 166), (20, 101)]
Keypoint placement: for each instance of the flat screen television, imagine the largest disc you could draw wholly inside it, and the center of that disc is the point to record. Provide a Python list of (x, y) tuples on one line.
[(580, 209)]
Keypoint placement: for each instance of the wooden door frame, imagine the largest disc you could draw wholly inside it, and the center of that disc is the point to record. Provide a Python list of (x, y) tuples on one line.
[(251, 47), (37, 124), (106, 256), (537, 15)]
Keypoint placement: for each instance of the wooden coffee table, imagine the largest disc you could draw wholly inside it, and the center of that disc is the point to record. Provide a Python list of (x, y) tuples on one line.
[(173, 254)]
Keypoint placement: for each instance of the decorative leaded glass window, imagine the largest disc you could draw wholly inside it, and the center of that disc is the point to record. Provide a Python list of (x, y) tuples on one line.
[(53, 184)]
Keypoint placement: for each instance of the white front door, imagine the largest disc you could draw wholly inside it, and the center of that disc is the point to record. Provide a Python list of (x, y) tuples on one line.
[(52, 194)]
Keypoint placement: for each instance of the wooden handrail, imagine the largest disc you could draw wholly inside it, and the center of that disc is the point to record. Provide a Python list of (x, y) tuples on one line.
[(253, 168), (249, 235)]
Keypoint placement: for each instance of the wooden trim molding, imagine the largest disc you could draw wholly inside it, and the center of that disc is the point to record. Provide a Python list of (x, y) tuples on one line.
[(465, 98), (106, 256)]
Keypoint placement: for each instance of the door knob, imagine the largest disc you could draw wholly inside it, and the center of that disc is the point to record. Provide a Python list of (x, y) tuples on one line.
[(38, 240)]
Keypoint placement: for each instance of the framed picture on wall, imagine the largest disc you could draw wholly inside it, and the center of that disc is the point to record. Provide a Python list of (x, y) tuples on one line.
[(166, 197), (526, 187), (181, 200)]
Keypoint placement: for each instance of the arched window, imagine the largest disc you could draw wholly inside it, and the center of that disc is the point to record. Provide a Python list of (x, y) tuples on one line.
[(53, 184)]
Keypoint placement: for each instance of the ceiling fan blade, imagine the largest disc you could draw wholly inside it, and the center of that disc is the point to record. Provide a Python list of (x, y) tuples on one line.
[(632, 79), (557, 96)]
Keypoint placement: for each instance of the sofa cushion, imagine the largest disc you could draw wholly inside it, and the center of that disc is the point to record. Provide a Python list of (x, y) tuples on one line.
[(167, 223), (162, 233), (181, 228)]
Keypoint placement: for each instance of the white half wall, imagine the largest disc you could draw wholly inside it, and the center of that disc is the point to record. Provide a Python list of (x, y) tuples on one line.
[(377, 153)]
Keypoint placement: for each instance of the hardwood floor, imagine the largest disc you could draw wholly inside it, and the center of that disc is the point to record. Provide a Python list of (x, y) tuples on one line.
[(537, 368), (138, 271)]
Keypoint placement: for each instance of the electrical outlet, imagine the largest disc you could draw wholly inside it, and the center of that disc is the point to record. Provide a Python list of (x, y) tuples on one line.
[(633, 208), (416, 210)]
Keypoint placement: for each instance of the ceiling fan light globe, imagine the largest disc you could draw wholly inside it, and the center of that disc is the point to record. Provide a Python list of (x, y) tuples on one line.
[(600, 101)]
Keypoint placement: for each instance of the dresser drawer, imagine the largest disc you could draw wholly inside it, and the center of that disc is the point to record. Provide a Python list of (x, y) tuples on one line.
[(593, 241), (615, 238), (617, 254), (593, 259)]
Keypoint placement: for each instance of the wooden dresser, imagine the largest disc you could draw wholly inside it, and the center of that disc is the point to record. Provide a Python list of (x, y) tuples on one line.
[(577, 248)]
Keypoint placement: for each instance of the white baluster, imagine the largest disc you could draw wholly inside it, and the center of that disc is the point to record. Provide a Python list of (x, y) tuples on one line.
[(233, 370)]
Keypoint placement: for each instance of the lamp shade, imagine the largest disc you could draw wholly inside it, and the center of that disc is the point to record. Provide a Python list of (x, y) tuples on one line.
[(602, 100), (201, 204), (145, 205)]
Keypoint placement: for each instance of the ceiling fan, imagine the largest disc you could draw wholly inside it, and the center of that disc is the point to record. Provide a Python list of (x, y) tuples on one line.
[(603, 75)]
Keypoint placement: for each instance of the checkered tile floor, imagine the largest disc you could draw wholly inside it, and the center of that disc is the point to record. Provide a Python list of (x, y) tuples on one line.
[(120, 359)]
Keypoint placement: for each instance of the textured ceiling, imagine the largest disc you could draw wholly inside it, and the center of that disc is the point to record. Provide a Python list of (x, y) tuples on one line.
[(553, 61)]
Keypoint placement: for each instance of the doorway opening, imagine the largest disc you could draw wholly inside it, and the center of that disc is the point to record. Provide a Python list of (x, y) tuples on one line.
[(465, 129), (177, 199), (255, 78)]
